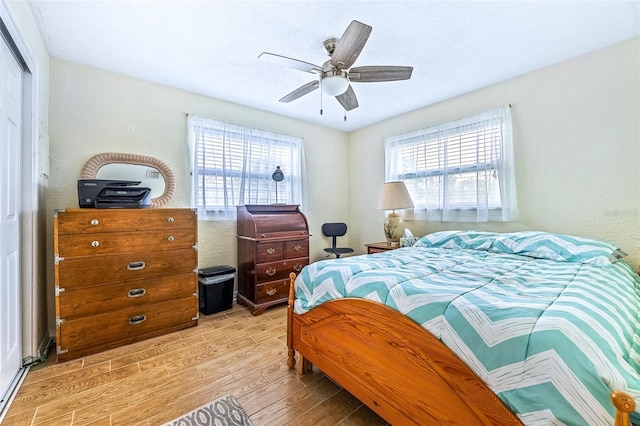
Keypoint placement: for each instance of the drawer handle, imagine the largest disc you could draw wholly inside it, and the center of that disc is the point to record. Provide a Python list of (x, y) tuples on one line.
[(170, 220), (271, 271), (271, 291), (297, 247), (94, 222), (137, 319), (137, 292), (297, 267), (135, 266), (271, 250), (170, 238), (95, 243)]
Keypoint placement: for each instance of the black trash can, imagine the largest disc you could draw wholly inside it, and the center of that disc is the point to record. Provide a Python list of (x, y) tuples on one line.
[(216, 288)]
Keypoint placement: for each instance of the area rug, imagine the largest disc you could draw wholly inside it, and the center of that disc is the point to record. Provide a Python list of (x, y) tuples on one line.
[(225, 411)]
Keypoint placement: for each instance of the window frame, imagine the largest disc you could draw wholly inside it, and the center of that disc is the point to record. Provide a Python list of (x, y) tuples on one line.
[(486, 138), (242, 160)]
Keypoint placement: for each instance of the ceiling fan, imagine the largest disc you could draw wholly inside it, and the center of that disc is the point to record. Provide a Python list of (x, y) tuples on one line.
[(336, 74)]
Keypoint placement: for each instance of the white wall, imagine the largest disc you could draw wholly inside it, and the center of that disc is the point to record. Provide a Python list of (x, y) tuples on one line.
[(94, 111), (577, 151)]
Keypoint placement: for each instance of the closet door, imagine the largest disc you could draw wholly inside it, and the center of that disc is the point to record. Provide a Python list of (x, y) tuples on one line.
[(10, 212)]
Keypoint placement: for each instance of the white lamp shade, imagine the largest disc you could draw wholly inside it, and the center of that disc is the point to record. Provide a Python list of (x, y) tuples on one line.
[(394, 196), (335, 85)]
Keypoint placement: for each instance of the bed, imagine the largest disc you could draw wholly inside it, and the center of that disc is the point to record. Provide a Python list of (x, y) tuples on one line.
[(472, 327)]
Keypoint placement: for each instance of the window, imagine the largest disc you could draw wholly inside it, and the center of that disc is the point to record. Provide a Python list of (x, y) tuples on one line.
[(460, 171), (233, 165)]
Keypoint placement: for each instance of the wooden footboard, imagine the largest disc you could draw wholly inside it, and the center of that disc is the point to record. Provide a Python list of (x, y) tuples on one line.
[(392, 365), (395, 367)]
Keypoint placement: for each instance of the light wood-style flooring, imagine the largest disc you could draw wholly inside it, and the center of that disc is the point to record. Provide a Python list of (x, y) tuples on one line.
[(154, 381)]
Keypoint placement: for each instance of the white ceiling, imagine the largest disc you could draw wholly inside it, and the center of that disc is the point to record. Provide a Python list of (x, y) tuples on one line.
[(211, 47)]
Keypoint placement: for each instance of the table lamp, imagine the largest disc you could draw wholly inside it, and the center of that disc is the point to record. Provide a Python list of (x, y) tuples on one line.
[(394, 196)]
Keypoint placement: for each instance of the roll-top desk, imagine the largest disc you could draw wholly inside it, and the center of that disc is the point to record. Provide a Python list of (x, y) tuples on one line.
[(123, 275), (273, 241)]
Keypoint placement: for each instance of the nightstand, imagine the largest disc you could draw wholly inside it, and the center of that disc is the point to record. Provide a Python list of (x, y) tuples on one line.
[(379, 247)]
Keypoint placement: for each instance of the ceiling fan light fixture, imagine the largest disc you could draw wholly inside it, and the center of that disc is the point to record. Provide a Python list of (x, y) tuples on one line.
[(335, 75), (334, 82)]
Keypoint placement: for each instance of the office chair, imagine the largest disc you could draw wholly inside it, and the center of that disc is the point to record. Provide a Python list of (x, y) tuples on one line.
[(335, 230)]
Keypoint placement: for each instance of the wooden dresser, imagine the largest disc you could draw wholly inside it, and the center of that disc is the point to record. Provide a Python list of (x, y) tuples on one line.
[(273, 241), (123, 275)]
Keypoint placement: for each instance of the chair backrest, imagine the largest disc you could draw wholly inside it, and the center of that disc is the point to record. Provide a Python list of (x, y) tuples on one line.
[(334, 230)]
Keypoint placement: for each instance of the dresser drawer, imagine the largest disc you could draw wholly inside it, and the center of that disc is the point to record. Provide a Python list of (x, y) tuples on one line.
[(124, 325), (274, 290), (297, 248), (87, 271), (279, 270), (77, 221), (75, 245), (86, 301), (269, 252)]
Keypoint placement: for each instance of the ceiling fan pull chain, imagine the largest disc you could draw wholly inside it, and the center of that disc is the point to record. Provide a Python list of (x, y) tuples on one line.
[(345, 115), (320, 96)]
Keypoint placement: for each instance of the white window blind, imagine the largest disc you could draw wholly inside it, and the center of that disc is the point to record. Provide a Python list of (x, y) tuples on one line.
[(233, 165), (461, 171)]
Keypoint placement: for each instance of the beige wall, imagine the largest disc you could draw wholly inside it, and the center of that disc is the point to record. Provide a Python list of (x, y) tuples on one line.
[(577, 151), (94, 111), (576, 130)]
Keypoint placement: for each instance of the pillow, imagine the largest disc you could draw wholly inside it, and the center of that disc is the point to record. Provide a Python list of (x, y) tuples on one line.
[(566, 248), (456, 240)]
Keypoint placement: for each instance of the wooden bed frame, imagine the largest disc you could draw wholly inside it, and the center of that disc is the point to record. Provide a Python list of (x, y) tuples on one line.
[(397, 368)]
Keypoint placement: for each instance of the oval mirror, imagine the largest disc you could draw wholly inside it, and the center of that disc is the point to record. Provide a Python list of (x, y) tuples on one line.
[(151, 172)]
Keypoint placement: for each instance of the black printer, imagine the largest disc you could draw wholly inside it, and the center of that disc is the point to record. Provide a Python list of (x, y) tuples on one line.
[(112, 194)]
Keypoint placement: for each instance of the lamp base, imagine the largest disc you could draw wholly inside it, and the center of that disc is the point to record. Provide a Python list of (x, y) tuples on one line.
[(393, 228)]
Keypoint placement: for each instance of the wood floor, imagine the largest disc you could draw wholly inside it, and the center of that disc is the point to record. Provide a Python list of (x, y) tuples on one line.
[(152, 382)]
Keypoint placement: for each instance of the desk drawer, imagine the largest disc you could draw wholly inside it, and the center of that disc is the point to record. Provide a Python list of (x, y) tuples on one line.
[(266, 272), (274, 290), (269, 252), (297, 248)]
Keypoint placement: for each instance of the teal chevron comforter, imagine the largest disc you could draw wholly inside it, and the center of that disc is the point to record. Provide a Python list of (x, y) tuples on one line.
[(551, 338)]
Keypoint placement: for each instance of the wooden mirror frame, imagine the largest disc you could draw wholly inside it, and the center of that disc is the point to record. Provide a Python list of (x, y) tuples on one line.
[(90, 171)]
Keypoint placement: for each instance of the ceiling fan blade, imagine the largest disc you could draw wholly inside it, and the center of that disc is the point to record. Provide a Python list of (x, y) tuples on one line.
[(350, 45), (290, 62), (301, 91), (348, 99), (379, 73)]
